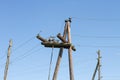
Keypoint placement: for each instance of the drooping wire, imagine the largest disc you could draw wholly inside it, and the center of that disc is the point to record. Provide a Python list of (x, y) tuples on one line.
[(61, 27), (27, 53), (3, 58), (50, 63), (86, 36), (22, 44), (4, 55)]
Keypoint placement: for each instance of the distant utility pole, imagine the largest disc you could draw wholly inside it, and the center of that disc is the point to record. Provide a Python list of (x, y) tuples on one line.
[(98, 66), (66, 43), (8, 58)]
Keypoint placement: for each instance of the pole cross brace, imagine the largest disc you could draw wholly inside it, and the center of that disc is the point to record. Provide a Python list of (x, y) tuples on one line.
[(58, 45)]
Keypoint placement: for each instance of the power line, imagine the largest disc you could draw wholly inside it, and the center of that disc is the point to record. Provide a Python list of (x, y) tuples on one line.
[(27, 53), (4, 55), (33, 69), (94, 46), (81, 36), (2, 65), (97, 19), (61, 27), (21, 45), (50, 65), (24, 43)]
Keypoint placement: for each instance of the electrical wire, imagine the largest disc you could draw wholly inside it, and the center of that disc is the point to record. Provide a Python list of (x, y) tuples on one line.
[(21, 45), (97, 19), (61, 27), (24, 43), (2, 65), (103, 46), (50, 63), (27, 53), (30, 70), (3, 56), (81, 36)]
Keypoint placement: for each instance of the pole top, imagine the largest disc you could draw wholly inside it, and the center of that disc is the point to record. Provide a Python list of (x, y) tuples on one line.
[(98, 52), (10, 43), (68, 20)]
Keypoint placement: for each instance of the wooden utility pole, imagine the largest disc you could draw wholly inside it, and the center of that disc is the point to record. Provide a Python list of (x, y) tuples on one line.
[(99, 65), (66, 31), (95, 71), (8, 60), (60, 55), (70, 52), (65, 43)]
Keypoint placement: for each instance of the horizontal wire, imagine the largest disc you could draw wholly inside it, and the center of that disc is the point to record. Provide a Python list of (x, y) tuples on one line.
[(81, 36), (97, 19), (94, 46)]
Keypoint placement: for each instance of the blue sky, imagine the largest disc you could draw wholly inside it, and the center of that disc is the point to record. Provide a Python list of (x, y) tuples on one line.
[(95, 25)]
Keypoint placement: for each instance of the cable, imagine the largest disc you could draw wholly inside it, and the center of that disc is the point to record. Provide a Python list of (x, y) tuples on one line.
[(24, 43), (2, 65), (23, 57), (97, 19), (93, 46), (61, 27), (24, 54), (50, 63), (2, 58), (81, 36), (3, 55), (17, 48)]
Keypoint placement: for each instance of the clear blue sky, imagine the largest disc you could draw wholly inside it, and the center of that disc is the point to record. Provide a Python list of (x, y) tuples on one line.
[(95, 25)]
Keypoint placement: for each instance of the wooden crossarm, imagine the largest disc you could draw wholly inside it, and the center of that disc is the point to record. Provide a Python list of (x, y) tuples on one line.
[(58, 45)]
